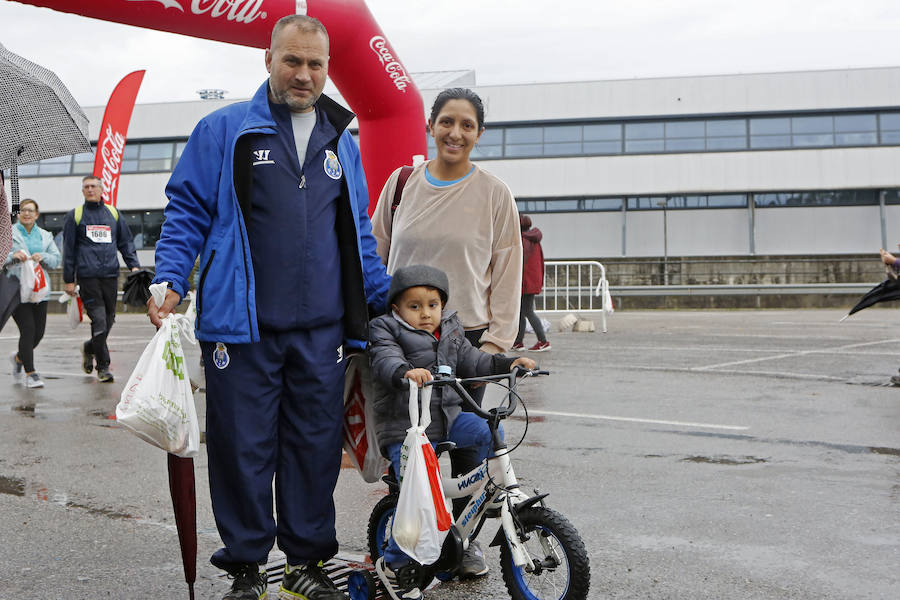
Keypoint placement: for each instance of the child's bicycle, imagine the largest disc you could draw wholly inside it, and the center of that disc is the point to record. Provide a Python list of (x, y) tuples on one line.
[(542, 557)]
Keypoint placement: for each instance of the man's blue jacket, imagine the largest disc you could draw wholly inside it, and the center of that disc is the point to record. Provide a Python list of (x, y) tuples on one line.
[(209, 203)]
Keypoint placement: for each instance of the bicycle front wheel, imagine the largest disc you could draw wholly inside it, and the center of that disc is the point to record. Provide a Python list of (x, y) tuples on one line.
[(561, 567), (380, 522)]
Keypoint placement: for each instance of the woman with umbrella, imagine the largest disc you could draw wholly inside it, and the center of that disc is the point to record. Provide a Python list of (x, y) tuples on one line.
[(30, 241)]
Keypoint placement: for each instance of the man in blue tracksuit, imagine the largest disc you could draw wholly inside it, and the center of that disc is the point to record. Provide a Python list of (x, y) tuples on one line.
[(272, 195)]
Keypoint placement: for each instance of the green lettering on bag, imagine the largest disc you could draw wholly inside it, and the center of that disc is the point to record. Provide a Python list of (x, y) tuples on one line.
[(174, 362)]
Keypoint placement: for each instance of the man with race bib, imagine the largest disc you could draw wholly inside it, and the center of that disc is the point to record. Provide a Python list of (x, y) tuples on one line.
[(92, 234)]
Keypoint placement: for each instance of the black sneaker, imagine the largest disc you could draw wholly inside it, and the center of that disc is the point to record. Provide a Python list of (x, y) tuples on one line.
[(87, 359), (104, 375), (249, 584), (308, 582), (473, 563), (402, 584)]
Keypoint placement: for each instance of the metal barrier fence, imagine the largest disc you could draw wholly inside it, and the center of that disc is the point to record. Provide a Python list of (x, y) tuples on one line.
[(575, 286)]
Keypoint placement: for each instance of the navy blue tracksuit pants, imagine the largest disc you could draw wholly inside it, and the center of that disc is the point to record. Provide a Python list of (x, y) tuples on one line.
[(274, 409)]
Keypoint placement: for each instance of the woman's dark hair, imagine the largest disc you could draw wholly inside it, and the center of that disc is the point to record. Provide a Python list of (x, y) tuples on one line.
[(525, 222), (458, 93)]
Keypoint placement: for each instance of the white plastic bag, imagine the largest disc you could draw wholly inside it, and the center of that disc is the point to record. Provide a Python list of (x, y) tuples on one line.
[(360, 441), (34, 284), (422, 518), (157, 404), (74, 308)]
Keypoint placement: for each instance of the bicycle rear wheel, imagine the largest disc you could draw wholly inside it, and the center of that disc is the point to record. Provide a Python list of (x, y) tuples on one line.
[(562, 569)]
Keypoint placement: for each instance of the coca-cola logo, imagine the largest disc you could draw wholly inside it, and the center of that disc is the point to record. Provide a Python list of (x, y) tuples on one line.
[(111, 151), (242, 11), (392, 66)]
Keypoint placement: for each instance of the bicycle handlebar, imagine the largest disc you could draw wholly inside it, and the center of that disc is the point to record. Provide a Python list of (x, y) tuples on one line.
[(457, 384)]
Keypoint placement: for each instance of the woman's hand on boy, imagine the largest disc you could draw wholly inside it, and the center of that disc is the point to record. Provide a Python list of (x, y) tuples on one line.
[(524, 362), (420, 376)]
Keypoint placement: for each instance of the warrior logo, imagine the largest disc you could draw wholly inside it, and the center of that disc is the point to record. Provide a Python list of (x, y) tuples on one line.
[(261, 157)]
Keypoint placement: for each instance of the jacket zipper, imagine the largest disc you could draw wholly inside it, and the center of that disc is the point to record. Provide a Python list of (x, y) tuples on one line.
[(212, 255)]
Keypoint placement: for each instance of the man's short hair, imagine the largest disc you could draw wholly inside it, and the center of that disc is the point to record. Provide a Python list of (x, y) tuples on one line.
[(94, 177), (304, 23)]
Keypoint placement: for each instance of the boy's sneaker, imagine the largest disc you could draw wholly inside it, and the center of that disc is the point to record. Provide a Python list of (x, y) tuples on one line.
[(540, 347), (33, 380), (249, 584), (473, 563), (308, 582), (518, 346), (18, 372), (87, 359), (104, 375), (402, 584)]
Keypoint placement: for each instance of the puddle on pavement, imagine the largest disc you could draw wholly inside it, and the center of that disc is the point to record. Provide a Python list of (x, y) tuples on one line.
[(725, 460), (15, 486), (848, 448)]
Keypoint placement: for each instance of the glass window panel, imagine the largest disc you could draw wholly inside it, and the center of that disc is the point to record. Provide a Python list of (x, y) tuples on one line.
[(887, 137), (770, 126), (52, 222), (727, 200), (813, 140), (892, 196), (770, 141), (481, 151), (685, 144), (726, 143), (134, 222), (565, 204), (129, 166), (854, 123), (686, 202), (646, 203), (726, 127), (602, 147), (682, 129), (854, 197), (131, 151), (524, 150), (643, 131), (153, 220), (856, 139), (160, 164), (602, 204), (489, 137), (179, 149), (60, 165), (158, 150), (764, 200), (562, 133), (29, 170), (644, 146), (524, 135), (812, 124), (890, 121), (562, 149), (603, 132), (531, 205)]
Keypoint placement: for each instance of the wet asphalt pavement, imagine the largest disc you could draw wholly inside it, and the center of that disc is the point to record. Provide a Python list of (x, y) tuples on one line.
[(701, 455)]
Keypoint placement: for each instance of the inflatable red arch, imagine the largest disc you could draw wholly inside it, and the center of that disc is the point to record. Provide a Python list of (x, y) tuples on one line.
[(363, 65)]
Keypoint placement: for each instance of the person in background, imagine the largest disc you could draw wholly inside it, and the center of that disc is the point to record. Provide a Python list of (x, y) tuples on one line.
[(30, 241), (459, 218), (92, 233), (271, 193), (532, 283)]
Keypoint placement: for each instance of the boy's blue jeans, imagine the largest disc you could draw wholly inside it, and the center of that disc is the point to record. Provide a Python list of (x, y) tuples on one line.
[(469, 430)]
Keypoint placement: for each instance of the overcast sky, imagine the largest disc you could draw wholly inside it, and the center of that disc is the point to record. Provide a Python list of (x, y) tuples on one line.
[(503, 41)]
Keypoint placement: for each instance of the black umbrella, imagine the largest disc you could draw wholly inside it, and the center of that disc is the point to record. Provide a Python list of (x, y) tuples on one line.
[(184, 503), (887, 290), (136, 290), (9, 296)]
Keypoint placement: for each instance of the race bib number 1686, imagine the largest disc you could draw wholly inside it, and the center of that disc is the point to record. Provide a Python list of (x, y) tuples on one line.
[(100, 234)]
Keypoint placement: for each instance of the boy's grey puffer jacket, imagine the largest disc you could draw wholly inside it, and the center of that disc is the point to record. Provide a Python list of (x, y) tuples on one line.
[(395, 348)]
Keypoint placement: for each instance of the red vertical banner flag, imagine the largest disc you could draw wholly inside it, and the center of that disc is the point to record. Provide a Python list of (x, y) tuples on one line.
[(113, 131)]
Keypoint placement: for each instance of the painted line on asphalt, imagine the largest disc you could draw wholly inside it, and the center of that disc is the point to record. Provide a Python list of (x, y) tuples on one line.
[(794, 354), (554, 413)]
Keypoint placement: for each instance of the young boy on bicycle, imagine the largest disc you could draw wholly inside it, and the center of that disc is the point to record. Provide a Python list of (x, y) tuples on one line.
[(409, 344)]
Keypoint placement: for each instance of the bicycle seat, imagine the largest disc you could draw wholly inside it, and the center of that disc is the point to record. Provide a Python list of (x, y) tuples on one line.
[(442, 447)]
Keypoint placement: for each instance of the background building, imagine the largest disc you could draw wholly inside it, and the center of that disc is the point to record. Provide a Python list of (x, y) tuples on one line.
[(798, 164)]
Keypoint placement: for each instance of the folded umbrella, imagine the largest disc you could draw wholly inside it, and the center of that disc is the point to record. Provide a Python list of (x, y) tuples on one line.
[(184, 503), (887, 290), (9, 296), (136, 290)]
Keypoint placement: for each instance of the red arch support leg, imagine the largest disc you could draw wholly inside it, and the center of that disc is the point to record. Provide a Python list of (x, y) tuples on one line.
[(363, 65)]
